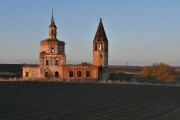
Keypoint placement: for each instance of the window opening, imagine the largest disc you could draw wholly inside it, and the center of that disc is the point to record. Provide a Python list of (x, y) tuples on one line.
[(70, 73), (47, 62), (79, 73), (95, 46), (87, 74), (100, 47), (56, 62), (27, 74), (52, 50)]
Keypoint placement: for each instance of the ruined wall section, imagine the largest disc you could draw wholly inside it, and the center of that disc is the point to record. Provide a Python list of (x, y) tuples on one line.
[(52, 52), (31, 72), (52, 46), (80, 72), (52, 60), (50, 72), (100, 58)]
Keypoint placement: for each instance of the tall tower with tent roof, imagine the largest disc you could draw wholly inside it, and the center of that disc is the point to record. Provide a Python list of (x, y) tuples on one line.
[(100, 51)]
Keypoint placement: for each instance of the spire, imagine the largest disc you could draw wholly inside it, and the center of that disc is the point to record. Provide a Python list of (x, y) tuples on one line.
[(52, 28), (52, 19), (100, 33)]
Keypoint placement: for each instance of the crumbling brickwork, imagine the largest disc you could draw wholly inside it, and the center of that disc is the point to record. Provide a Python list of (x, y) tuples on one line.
[(31, 72), (80, 72)]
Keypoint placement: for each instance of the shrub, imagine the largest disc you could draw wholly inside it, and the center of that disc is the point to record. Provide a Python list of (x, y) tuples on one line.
[(162, 72)]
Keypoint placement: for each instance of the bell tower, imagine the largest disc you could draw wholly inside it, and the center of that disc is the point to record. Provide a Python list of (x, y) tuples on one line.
[(52, 53), (100, 47)]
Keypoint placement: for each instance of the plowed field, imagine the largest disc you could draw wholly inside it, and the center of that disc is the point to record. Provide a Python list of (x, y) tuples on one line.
[(60, 101)]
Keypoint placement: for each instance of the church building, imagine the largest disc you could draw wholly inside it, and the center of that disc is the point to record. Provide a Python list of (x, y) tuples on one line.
[(52, 59)]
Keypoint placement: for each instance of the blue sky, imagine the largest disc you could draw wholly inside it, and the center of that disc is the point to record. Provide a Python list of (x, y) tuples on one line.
[(141, 32)]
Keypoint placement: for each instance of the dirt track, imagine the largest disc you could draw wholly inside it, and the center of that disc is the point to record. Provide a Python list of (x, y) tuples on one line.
[(30, 100)]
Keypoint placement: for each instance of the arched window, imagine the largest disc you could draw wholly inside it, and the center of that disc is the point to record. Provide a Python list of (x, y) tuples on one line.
[(87, 74), (56, 74), (52, 50), (79, 73), (95, 46), (56, 62), (100, 47), (71, 74), (47, 62)]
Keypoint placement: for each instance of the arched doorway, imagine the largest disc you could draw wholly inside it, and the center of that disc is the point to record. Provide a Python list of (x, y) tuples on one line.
[(101, 68), (56, 74), (46, 73)]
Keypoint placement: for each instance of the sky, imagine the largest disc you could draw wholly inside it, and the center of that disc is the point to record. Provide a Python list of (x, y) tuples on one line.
[(140, 32)]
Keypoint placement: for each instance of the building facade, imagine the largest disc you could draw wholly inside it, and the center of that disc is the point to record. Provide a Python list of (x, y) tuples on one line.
[(52, 59)]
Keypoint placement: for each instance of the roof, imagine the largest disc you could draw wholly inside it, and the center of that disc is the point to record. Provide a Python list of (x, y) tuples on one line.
[(100, 33)]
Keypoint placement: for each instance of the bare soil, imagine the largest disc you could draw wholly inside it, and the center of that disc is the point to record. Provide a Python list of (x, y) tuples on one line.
[(59, 101)]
